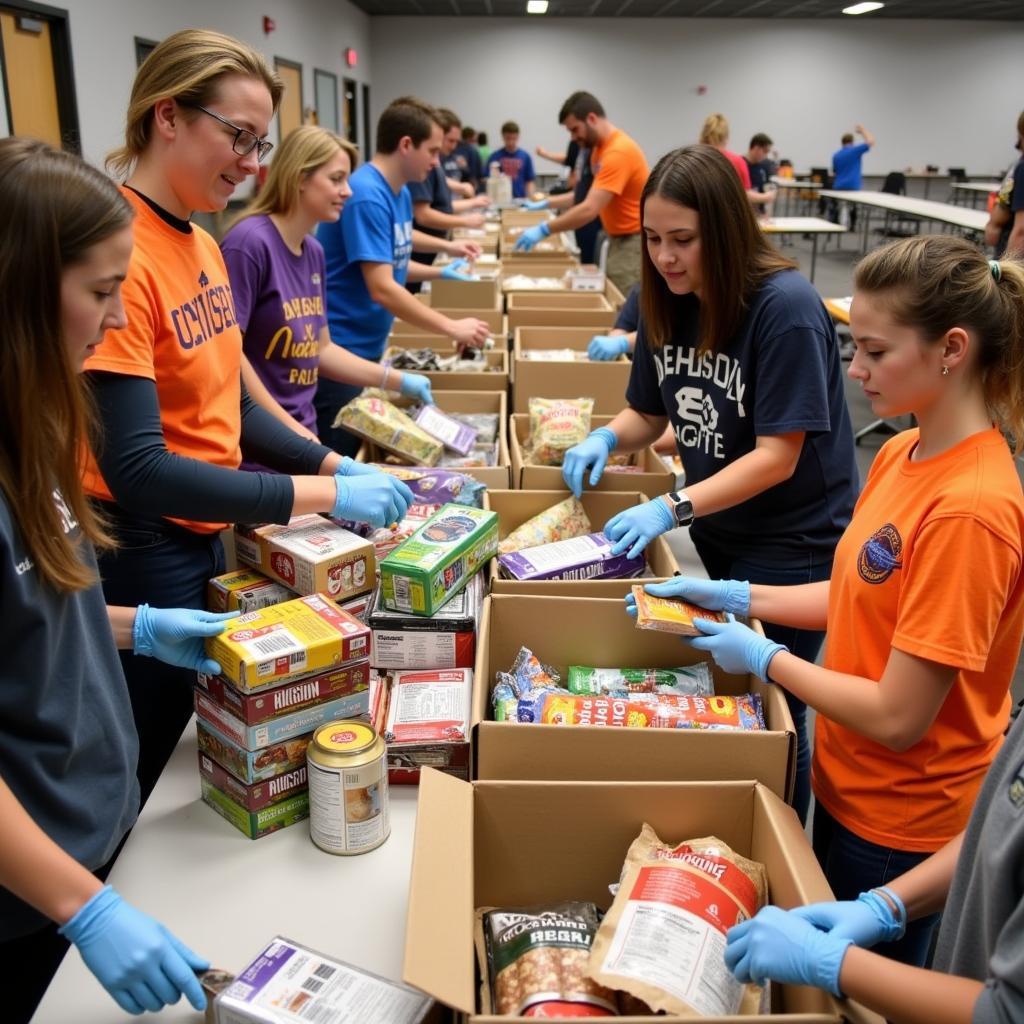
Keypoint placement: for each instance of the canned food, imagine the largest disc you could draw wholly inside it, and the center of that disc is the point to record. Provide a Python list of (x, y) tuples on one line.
[(348, 788)]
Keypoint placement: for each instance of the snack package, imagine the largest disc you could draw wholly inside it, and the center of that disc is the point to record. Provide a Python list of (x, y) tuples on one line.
[(449, 431), (563, 521), (504, 701), (643, 711), (691, 680), (387, 538), (479, 458), (386, 425), (443, 486), (528, 673), (553, 355), (556, 425), (534, 962), (663, 940), (667, 615), (484, 423), (580, 558)]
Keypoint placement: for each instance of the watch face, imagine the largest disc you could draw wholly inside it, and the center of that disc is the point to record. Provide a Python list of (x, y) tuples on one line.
[(682, 507)]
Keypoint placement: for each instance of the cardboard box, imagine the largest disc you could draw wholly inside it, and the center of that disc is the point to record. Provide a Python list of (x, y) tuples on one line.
[(515, 507), (256, 824), (565, 631), (258, 795), (605, 382), (588, 277), (614, 295), (559, 309), (655, 479), (481, 294), (494, 379), (251, 766), (311, 555), (509, 844), (491, 312), (520, 216), (245, 590)]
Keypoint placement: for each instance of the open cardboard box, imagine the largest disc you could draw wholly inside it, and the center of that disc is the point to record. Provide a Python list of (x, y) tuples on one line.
[(497, 323), (605, 382), (519, 215), (515, 507), (655, 479), (515, 844), (614, 295), (462, 401), (482, 294), (559, 309), (494, 379), (492, 313), (565, 631)]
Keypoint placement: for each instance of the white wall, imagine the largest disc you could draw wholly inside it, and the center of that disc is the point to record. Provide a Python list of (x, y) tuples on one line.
[(933, 92)]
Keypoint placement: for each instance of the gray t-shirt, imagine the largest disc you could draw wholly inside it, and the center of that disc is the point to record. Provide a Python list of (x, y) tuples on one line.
[(982, 934), (68, 747)]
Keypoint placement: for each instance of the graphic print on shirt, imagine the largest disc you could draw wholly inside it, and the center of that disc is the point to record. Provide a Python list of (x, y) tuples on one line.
[(303, 312), (403, 244), (695, 406), (68, 523), (880, 555), (209, 312)]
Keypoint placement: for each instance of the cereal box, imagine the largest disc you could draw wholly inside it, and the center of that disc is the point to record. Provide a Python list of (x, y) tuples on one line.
[(579, 558), (436, 562), (670, 615), (246, 590), (257, 823), (286, 641), (259, 794)]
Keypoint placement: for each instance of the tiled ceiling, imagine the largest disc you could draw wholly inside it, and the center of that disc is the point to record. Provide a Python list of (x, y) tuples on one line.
[(969, 10)]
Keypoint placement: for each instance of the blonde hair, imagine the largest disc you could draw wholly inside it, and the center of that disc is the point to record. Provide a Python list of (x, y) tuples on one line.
[(187, 67), (304, 151), (715, 130), (932, 283)]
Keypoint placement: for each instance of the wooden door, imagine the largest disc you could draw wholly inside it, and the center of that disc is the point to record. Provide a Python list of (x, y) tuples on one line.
[(289, 112), (31, 84)]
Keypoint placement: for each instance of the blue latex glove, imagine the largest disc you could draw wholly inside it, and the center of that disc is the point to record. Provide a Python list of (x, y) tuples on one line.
[(591, 453), (779, 945), (735, 647), (867, 920), (454, 271), (718, 595), (535, 204), (175, 635), (415, 385), (349, 467), (603, 347), (634, 528), (531, 236), (136, 959), (370, 498)]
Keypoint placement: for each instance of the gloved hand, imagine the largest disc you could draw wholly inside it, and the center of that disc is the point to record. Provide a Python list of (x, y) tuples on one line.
[(718, 595), (349, 467), (374, 498), (593, 451), (735, 647), (867, 920), (535, 204), (634, 528), (136, 959), (453, 271), (531, 236), (603, 347), (779, 945), (415, 385), (175, 635)]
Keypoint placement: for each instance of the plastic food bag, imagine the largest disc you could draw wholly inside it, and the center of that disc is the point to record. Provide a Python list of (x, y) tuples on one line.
[(560, 522), (386, 425), (690, 680), (668, 615), (555, 426), (438, 486)]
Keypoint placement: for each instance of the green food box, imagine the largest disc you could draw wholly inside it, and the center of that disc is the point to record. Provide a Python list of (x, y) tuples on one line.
[(257, 823), (436, 562)]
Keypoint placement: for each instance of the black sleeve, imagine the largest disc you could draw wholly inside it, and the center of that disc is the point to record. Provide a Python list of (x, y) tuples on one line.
[(643, 393), (148, 480), (271, 443), (628, 319)]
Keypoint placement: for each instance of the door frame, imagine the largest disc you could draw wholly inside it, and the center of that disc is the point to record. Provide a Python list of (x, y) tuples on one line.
[(367, 134), (63, 72), (292, 65), (320, 73)]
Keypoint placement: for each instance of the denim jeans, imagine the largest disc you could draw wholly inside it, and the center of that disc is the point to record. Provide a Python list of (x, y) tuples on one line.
[(853, 865), (331, 395), (166, 566), (804, 643)]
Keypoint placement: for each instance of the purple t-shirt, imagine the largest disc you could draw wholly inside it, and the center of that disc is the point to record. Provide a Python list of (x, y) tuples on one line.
[(281, 308)]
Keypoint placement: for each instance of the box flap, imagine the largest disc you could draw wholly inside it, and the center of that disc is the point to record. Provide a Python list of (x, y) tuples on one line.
[(442, 882)]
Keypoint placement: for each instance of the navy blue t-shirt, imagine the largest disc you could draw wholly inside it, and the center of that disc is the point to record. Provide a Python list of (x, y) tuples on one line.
[(758, 174), (1011, 196), (780, 373), (467, 160), (628, 319), (435, 191)]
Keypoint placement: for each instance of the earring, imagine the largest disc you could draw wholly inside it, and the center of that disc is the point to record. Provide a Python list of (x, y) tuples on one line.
[(945, 371)]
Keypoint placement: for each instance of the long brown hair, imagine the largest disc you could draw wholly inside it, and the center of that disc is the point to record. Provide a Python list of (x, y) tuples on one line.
[(932, 283), (735, 255), (53, 208)]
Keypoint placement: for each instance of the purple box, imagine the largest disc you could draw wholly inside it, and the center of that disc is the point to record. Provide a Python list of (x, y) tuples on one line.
[(455, 435), (580, 558)]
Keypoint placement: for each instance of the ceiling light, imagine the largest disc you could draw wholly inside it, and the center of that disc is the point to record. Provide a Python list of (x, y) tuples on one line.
[(865, 8), (536, 6)]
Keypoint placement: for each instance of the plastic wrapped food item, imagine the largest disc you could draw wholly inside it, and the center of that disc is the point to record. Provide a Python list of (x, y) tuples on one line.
[(428, 360), (559, 522), (668, 615), (386, 425), (580, 558), (663, 940), (524, 283), (528, 673), (556, 424), (691, 680), (480, 457), (438, 486), (387, 538), (553, 355), (643, 711), (484, 423), (504, 702), (453, 434)]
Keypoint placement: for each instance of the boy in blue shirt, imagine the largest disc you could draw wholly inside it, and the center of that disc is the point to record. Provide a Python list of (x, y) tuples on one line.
[(846, 161), (513, 162)]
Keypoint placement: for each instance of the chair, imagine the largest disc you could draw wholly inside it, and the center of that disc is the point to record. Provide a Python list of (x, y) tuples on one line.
[(823, 176), (957, 175), (895, 184)]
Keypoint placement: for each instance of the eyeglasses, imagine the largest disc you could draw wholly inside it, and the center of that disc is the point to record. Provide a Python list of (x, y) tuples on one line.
[(245, 141)]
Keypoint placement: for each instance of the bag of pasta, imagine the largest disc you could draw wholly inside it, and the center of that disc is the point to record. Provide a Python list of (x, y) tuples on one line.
[(563, 521), (377, 420), (556, 424)]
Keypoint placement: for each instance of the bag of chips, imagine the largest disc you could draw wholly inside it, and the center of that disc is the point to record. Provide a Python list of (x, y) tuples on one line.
[(438, 486), (560, 522), (556, 424), (691, 680), (386, 425)]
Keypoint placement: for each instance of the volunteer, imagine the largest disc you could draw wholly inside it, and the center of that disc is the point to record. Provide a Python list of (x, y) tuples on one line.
[(979, 957), (68, 793), (277, 274), (925, 607), (168, 388), (736, 352)]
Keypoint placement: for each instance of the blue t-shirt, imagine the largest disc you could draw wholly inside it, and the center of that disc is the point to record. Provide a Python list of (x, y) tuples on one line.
[(517, 165), (376, 227), (628, 319), (434, 191), (846, 167), (779, 373)]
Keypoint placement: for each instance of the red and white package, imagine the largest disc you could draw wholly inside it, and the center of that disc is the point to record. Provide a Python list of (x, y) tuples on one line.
[(429, 707)]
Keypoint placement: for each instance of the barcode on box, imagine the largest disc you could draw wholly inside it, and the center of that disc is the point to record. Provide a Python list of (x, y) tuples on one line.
[(272, 643), (312, 985), (325, 971)]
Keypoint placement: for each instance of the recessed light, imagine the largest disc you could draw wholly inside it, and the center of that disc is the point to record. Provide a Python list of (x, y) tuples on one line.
[(865, 8), (536, 6)]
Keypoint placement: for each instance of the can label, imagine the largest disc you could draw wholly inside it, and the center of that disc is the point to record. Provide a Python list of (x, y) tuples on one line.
[(348, 805)]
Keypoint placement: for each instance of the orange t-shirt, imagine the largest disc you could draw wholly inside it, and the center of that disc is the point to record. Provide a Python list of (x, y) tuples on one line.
[(620, 167), (182, 333), (930, 565), (741, 166)]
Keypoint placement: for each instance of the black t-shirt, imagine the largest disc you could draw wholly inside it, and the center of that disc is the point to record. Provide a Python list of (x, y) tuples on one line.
[(436, 192), (467, 160), (758, 174), (628, 319), (780, 373)]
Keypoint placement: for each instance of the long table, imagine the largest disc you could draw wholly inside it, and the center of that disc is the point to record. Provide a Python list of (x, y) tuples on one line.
[(813, 226), (225, 895), (976, 189)]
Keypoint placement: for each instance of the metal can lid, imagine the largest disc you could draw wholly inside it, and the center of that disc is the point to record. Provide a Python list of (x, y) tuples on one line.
[(345, 737)]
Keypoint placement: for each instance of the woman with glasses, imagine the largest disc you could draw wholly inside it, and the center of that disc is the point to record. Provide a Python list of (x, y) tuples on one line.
[(177, 419)]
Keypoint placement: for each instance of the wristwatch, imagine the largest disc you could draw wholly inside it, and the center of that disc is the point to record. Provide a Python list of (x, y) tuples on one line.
[(682, 507)]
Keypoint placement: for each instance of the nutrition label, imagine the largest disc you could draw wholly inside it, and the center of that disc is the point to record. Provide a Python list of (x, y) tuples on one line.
[(348, 809)]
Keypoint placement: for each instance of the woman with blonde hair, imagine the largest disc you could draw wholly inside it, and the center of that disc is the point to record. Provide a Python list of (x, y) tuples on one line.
[(715, 132), (177, 419), (278, 278)]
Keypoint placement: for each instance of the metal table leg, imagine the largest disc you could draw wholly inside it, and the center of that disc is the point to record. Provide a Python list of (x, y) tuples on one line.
[(814, 253)]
